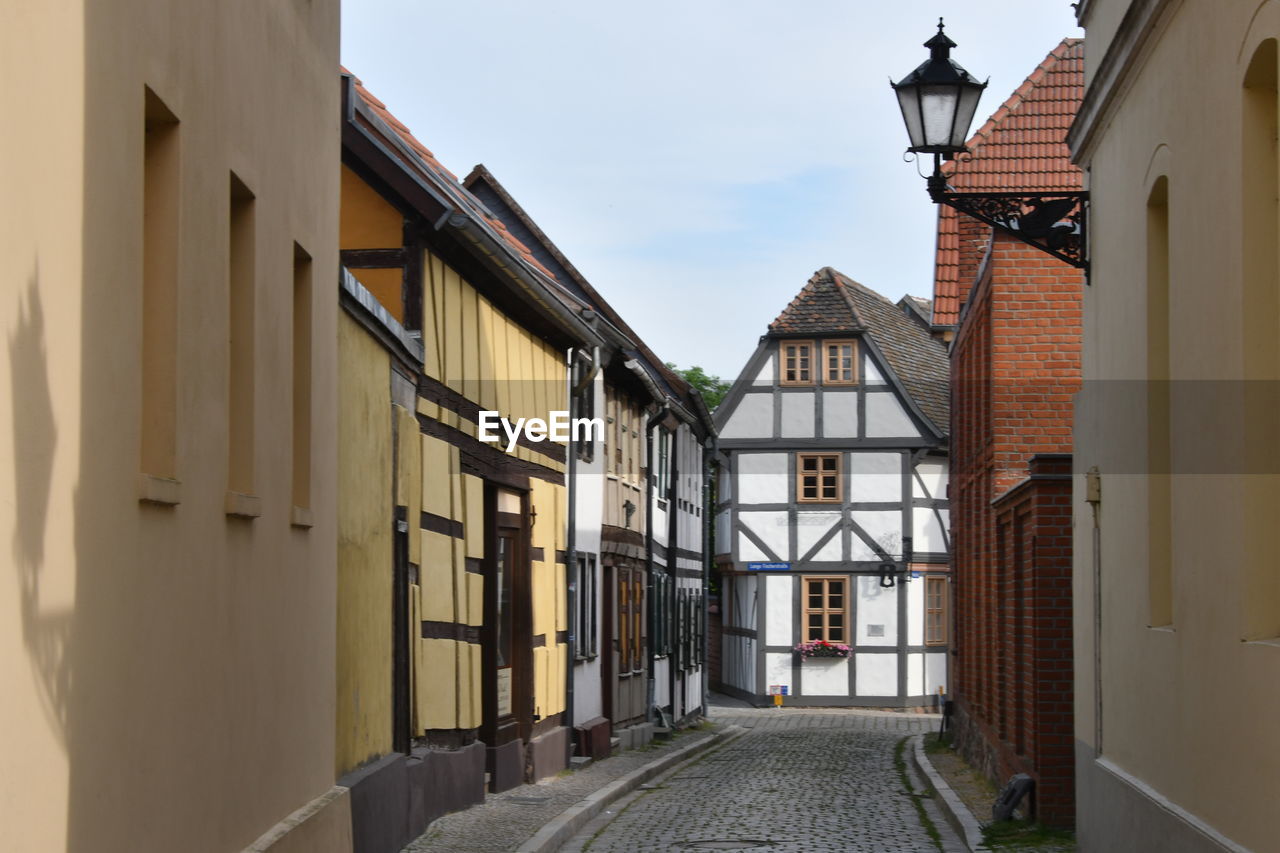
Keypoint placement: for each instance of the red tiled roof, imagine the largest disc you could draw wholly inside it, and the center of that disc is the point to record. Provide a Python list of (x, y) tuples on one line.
[(436, 171), (1021, 147)]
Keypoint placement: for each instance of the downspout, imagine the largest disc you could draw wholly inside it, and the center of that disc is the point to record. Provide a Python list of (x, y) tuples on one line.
[(571, 535)]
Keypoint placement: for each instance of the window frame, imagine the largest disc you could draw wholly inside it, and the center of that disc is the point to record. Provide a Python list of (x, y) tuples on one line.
[(826, 610), (852, 343), (586, 408), (663, 465), (936, 634), (782, 363), (586, 614), (800, 475)]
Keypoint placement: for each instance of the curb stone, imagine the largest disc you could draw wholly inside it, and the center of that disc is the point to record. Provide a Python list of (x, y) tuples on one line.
[(564, 826), (956, 812)]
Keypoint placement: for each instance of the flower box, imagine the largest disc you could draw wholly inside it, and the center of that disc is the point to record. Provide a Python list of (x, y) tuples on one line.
[(821, 649)]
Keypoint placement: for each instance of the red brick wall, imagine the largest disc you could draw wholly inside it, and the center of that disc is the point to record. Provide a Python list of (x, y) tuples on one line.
[(1015, 367)]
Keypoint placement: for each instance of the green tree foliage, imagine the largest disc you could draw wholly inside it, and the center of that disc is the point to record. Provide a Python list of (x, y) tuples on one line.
[(712, 388)]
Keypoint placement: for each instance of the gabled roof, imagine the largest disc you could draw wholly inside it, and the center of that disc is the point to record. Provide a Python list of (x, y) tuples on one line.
[(443, 176), (1021, 147), (463, 210), (832, 303), (821, 307), (918, 308)]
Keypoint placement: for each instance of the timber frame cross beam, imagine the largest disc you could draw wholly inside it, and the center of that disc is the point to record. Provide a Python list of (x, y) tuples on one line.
[(1053, 222)]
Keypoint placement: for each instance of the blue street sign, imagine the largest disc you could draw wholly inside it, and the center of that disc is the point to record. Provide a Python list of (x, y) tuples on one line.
[(768, 567)]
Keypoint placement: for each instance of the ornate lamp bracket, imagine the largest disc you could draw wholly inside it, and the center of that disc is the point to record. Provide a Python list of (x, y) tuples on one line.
[(1053, 222)]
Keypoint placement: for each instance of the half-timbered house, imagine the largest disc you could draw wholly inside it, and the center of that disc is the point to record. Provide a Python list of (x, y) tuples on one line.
[(636, 554), (832, 523), (452, 626)]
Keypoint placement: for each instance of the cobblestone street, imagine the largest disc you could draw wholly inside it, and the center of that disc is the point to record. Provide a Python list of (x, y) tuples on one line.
[(796, 780)]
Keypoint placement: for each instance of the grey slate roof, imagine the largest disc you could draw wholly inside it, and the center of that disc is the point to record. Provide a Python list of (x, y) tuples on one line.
[(833, 302), (821, 307)]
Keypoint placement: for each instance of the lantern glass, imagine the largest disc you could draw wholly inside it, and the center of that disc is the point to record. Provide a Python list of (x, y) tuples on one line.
[(909, 103), (938, 100), (938, 108)]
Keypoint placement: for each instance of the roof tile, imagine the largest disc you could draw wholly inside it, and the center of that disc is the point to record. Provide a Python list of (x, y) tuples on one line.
[(439, 172), (1021, 147), (832, 303)]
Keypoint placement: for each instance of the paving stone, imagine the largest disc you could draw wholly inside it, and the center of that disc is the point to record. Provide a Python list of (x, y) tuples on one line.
[(798, 780)]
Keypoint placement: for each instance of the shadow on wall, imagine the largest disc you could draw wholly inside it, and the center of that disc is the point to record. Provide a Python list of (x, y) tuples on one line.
[(46, 634)]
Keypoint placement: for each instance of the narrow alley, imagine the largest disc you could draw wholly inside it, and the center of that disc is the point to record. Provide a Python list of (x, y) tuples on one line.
[(789, 779)]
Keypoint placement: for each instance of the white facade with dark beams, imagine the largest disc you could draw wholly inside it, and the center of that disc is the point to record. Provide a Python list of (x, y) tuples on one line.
[(832, 522)]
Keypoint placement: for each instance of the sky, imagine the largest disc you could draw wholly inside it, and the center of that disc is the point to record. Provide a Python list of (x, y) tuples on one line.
[(697, 161)]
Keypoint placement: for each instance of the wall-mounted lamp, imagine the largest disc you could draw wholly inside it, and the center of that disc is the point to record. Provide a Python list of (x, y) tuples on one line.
[(938, 100)]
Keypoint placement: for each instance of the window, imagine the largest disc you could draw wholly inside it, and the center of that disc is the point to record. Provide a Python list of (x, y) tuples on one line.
[(825, 609), (160, 218), (797, 366), (241, 334), (935, 611), (1159, 444), (584, 626), (301, 378), (585, 407), (661, 614), (664, 464), (630, 612), (818, 478), (840, 362)]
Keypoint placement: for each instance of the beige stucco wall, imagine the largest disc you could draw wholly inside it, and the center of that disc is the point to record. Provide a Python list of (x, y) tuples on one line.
[(1183, 708), (168, 670)]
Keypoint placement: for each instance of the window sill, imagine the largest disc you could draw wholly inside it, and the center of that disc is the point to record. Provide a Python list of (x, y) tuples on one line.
[(1267, 641), (301, 517), (240, 505), (162, 491), (1163, 629)]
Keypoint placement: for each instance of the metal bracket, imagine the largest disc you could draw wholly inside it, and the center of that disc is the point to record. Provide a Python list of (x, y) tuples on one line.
[(1055, 223)]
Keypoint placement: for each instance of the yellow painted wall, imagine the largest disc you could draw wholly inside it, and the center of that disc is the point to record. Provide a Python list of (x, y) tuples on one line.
[(168, 671), (1183, 706), (367, 221), (365, 548), (477, 351)]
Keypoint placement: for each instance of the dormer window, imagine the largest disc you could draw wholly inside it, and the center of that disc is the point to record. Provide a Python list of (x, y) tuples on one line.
[(840, 362), (797, 363)]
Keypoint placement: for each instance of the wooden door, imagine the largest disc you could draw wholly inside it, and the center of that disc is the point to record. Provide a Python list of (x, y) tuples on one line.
[(631, 659), (507, 657), (609, 639)]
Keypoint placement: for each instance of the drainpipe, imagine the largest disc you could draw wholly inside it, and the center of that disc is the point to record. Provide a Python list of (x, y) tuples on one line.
[(571, 535)]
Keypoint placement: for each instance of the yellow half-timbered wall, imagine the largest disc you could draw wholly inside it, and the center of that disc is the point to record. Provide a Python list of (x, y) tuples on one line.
[(364, 548), (368, 221), (477, 351)]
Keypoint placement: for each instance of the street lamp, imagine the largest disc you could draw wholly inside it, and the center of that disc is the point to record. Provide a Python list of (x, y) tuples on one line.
[(938, 101)]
